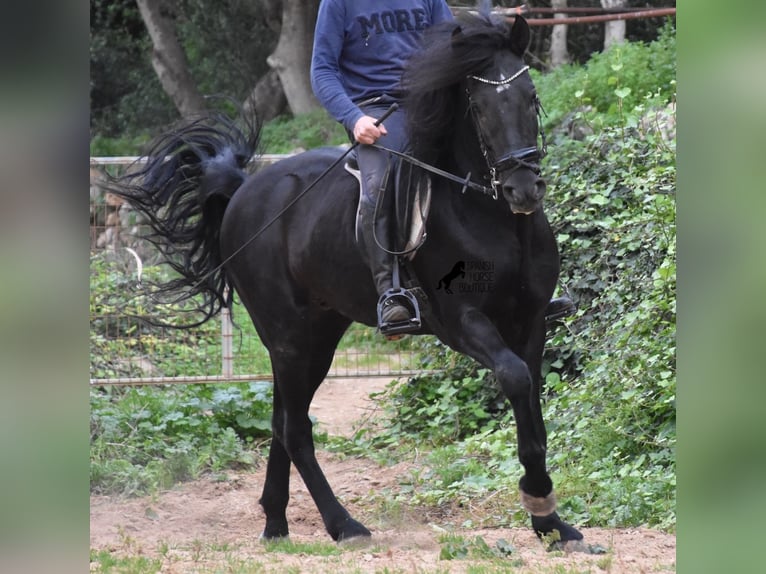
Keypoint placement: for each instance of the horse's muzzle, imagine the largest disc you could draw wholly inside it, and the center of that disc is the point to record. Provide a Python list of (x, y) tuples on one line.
[(524, 194)]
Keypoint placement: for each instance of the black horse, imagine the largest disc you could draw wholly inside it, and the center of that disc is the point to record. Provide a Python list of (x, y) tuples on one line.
[(292, 258)]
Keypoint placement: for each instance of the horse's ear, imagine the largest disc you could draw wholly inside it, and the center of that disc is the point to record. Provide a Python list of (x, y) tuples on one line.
[(520, 36), (457, 32)]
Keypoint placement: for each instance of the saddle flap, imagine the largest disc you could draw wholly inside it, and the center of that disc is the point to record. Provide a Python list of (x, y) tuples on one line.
[(421, 205), (352, 167), (413, 203)]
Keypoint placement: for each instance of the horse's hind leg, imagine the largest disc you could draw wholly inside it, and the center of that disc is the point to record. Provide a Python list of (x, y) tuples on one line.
[(300, 361), (276, 488)]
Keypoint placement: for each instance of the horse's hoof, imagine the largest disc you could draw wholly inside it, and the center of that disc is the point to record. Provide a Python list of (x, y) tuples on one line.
[(559, 308), (556, 534), (351, 530)]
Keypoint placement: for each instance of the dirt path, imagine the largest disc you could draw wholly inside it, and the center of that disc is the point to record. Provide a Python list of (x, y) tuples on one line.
[(207, 526)]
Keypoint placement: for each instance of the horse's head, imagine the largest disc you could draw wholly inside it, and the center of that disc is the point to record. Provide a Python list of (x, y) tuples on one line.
[(505, 111), (477, 62)]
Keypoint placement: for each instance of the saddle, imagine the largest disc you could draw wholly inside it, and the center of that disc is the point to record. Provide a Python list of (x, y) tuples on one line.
[(412, 192)]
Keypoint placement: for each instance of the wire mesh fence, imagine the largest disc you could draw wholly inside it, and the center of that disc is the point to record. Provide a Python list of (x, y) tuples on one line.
[(126, 349)]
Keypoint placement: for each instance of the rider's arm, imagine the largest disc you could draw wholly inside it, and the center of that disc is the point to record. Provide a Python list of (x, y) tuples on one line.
[(325, 64)]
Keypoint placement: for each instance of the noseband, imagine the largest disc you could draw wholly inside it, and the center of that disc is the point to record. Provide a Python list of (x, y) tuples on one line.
[(528, 157)]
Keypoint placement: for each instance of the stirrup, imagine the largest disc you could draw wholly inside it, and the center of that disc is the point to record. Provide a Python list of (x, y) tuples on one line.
[(392, 329)]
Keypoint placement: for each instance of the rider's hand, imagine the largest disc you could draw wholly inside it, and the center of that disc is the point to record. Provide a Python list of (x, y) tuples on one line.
[(366, 132)]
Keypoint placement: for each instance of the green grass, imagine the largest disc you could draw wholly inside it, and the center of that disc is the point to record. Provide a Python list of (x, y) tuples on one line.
[(105, 562), (307, 548)]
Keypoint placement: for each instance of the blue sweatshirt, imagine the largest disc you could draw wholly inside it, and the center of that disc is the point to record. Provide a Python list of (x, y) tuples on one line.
[(361, 47)]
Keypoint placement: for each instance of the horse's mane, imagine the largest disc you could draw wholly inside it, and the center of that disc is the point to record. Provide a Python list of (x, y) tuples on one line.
[(432, 75)]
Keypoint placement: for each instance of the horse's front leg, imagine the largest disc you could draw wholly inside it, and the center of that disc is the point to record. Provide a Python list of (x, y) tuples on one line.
[(519, 381), (532, 354)]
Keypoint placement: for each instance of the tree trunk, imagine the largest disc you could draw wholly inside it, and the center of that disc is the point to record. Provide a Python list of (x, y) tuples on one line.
[(614, 31), (292, 57), (559, 52), (272, 13), (169, 59), (267, 99)]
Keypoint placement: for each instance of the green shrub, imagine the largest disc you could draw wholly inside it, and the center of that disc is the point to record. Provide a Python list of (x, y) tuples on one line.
[(611, 81), (145, 439), (103, 146), (441, 408), (149, 438), (122, 341), (286, 134)]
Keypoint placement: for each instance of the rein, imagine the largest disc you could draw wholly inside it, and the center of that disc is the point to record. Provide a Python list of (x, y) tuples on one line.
[(466, 183)]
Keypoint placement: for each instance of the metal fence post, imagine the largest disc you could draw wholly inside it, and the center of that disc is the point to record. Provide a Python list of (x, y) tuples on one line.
[(227, 355)]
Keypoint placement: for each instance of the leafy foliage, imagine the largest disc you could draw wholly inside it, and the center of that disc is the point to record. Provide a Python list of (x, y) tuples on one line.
[(148, 438), (132, 99), (616, 79), (286, 134), (454, 547), (123, 344), (226, 45), (440, 408), (143, 439), (614, 383)]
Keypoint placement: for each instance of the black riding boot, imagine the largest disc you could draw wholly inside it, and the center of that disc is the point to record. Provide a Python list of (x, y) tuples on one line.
[(381, 263)]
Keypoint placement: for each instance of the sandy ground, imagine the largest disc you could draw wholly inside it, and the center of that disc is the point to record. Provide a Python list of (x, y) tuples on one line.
[(214, 526)]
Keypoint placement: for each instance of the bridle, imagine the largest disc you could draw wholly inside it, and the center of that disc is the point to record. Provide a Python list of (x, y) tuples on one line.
[(528, 157)]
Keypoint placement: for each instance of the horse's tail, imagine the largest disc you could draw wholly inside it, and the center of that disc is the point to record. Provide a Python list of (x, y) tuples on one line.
[(182, 188)]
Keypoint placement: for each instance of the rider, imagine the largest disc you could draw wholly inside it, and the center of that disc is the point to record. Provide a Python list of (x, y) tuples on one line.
[(360, 50)]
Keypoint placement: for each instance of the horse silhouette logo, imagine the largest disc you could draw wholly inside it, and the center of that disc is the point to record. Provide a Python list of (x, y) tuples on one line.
[(457, 270)]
